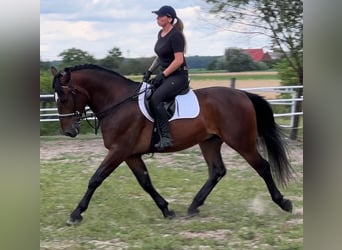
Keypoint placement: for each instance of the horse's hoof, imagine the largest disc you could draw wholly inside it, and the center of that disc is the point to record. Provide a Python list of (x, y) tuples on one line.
[(74, 222), (286, 205), (193, 212), (170, 214)]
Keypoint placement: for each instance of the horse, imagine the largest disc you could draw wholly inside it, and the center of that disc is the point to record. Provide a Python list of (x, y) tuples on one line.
[(242, 120)]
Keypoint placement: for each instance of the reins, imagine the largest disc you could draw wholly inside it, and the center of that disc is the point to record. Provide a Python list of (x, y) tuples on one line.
[(102, 114)]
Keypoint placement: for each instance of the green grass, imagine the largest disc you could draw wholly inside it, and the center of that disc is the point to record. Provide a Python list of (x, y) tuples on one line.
[(198, 76), (238, 214)]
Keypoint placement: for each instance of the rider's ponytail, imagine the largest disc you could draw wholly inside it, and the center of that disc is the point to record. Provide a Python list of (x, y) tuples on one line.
[(180, 26)]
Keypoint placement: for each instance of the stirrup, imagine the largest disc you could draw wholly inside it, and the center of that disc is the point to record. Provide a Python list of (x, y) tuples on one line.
[(164, 142)]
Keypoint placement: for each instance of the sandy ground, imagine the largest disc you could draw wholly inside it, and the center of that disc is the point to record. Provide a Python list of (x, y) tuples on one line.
[(239, 73), (196, 84), (91, 152)]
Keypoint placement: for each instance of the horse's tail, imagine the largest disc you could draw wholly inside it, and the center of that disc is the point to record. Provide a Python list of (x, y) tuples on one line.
[(271, 139)]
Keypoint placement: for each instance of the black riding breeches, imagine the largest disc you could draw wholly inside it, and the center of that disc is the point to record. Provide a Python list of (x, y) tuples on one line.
[(170, 87)]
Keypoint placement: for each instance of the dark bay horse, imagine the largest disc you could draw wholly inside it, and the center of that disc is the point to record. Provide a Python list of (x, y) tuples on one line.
[(240, 119)]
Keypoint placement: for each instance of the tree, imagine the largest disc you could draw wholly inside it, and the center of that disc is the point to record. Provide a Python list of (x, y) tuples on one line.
[(135, 65), (237, 60), (45, 82), (73, 56), (44, 65), (280, 20), (112, 60)]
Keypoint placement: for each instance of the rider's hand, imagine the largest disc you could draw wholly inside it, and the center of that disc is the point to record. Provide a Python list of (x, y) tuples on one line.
[(158, 80), (147, 76)]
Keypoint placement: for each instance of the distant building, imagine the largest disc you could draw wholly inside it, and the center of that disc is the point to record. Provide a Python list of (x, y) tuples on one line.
[(257, 54)]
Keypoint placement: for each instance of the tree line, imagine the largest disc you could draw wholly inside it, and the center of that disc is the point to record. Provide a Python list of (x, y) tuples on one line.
[(233, 60)]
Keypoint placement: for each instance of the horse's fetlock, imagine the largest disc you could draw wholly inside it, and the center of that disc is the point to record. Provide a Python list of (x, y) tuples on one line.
[(278, 199)]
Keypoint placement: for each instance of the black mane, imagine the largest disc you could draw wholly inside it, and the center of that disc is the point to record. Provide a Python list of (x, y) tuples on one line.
[(92, 66), (56, 84)]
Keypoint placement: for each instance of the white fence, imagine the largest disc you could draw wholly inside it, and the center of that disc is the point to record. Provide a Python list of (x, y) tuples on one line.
[(50, 114)]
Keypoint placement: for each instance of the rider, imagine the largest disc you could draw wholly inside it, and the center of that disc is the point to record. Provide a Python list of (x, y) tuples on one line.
[(173, 78)]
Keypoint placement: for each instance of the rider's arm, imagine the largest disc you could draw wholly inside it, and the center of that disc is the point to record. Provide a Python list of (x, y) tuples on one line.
[(154, 64), (175, 64)]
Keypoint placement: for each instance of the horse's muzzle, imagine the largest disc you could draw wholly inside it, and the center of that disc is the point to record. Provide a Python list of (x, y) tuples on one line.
[(73, 131)]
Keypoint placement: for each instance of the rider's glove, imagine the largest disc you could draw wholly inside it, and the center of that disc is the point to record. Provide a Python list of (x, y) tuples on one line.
[(158, 80), (147, 76)]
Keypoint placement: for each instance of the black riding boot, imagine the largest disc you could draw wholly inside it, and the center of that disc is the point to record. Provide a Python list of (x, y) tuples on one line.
[(163, 125)]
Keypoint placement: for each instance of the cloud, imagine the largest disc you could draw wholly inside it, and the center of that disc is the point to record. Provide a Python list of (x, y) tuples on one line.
[(66, 30), (98, 26)]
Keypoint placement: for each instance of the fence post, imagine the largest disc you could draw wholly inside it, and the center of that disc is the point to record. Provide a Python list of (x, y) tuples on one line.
[(293, 107), (232, 82)]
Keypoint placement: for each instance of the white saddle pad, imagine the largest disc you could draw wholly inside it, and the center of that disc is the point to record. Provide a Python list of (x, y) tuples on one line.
[(186, 106)]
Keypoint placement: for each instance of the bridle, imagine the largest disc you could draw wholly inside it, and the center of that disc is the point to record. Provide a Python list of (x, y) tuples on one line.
[(59, 91), (77, 113)]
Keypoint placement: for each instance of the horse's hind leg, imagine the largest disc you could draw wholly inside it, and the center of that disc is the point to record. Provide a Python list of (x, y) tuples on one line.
[(139, 169), (263, 169), (211, 152)]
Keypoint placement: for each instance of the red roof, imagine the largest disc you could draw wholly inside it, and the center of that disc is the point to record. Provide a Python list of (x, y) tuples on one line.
[(257, 54)]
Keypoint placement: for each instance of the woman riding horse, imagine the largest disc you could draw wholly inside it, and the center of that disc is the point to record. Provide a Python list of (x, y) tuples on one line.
[(173, 79)]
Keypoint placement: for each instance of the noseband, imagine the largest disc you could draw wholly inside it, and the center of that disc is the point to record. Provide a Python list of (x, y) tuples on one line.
[(68, 115)]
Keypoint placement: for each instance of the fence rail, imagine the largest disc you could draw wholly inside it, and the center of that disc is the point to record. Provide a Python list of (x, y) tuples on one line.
[(50, 114)]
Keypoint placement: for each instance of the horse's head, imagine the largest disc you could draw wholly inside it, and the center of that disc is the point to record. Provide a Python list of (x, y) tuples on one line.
[(70, 102)]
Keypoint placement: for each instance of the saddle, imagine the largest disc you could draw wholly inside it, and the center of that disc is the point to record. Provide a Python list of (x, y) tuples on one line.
[(169, 105), (184, 106)]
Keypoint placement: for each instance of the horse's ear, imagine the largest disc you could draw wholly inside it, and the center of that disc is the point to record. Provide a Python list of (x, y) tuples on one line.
[(53, 71)]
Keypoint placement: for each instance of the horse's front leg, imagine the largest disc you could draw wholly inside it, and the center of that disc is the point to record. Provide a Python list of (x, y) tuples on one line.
[(139, 169), (108, 165)]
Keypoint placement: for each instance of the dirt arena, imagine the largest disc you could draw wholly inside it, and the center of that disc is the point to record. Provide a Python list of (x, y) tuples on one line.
[(196, 84), (90, 148)]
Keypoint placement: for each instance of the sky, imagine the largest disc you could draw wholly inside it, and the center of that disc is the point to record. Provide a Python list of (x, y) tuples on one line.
[(97, 26)]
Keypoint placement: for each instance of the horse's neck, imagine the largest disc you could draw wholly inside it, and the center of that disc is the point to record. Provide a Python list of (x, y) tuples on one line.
[(106, 92)]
